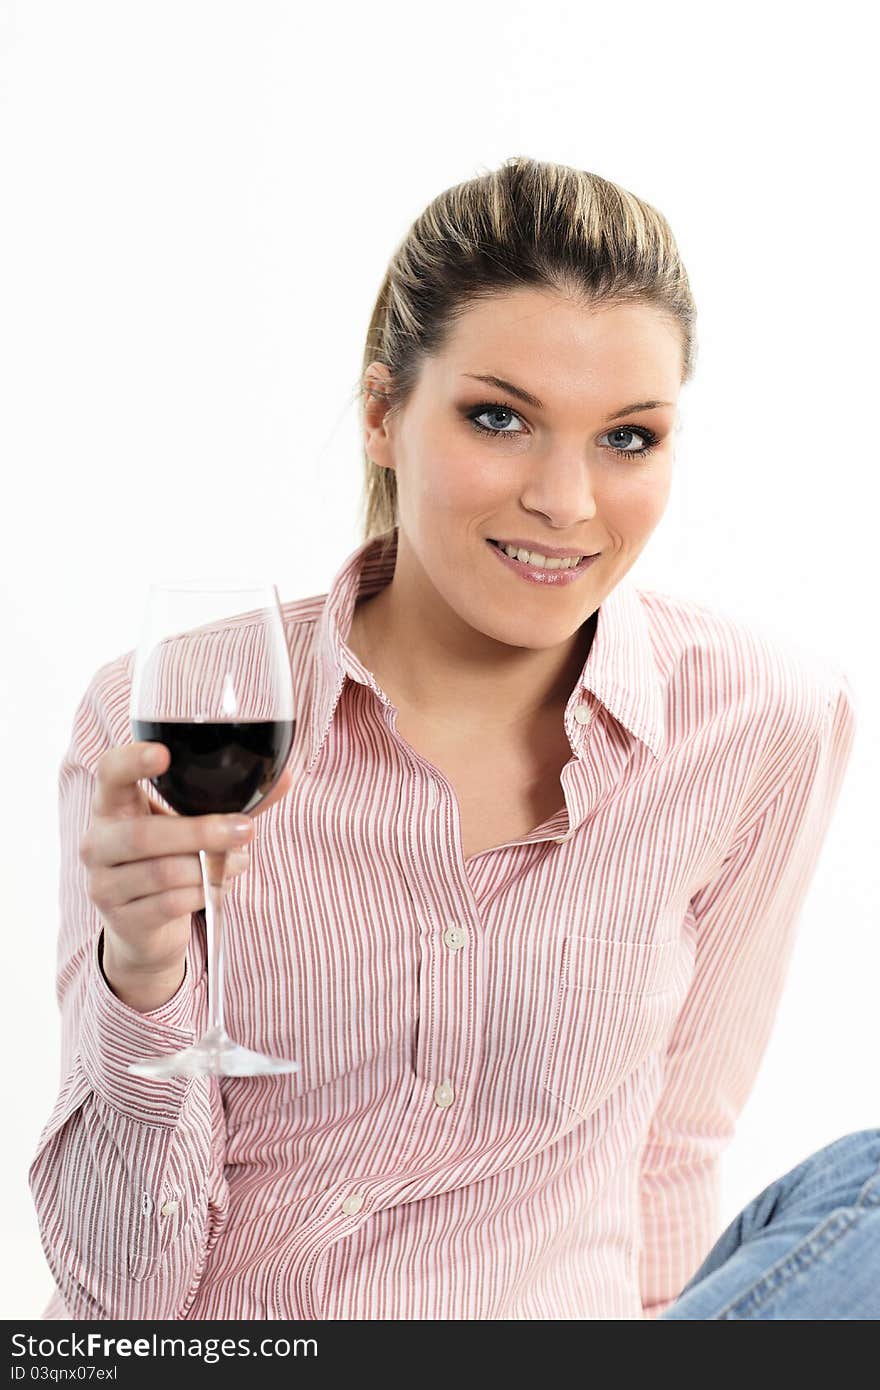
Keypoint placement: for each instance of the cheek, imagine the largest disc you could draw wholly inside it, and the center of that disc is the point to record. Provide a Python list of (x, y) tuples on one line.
[(636, 504), (461, 483)]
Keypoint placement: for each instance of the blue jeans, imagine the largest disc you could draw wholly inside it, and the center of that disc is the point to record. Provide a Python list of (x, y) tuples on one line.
[(807, 1247)]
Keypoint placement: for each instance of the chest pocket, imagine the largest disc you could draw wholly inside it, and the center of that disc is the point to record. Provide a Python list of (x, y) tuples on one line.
[(616, 1003)]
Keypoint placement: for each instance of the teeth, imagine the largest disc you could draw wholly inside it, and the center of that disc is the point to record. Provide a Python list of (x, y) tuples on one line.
[(544, 562)]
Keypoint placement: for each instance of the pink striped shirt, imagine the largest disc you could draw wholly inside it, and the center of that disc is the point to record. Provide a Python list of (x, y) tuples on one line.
[(518, 1071)]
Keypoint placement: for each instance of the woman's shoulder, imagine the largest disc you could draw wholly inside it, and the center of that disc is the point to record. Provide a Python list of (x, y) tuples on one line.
[(743, 667), (303, 612)]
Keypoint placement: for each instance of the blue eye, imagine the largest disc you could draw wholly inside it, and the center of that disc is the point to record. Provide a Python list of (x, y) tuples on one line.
[(648, 437), (639, 431), (486, 409)]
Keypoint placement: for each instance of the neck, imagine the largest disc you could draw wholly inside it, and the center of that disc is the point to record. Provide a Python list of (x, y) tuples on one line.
[(439, 668)]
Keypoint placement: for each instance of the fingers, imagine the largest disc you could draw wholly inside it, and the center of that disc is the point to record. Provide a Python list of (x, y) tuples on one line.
[(237, 861), (118, 772), (108, 842), (133, 920), (111, 888)]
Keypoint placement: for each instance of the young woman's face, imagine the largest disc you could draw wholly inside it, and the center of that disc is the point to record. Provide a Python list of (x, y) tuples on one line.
[(574, 473)]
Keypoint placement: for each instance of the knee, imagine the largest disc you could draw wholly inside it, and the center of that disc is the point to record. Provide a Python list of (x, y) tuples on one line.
[(859, 1146), (847, 1162)]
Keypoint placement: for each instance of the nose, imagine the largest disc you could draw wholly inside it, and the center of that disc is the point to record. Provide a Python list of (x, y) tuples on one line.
[(562, 490)]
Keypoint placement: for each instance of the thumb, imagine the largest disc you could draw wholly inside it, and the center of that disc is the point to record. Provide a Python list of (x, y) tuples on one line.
[(119, 772)]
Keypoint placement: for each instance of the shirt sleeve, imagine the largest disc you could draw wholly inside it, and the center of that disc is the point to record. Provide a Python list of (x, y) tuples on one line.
[(128, 1179), (746, 920)]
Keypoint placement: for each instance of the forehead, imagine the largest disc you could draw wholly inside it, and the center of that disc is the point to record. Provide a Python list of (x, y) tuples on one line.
[(552, 345)]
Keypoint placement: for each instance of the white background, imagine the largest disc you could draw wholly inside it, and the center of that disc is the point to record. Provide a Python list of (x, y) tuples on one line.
[(198, 204)]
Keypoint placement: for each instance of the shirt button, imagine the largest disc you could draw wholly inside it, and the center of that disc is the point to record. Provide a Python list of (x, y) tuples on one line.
[(444, 1094), (561, 839), (170, 1208), (582, 714), (353, 1203), (455, 937)]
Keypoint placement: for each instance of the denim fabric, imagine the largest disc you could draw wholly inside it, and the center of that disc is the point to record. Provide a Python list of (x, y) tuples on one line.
[(807, 1247)]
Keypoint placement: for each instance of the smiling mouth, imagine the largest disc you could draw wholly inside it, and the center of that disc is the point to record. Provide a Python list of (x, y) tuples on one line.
[(498, 546)]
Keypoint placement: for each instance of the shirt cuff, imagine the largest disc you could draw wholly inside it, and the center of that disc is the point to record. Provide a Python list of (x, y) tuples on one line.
[(112, 1034)]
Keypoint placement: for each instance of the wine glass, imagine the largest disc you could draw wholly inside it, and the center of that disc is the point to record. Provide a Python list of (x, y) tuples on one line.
[(212, 681)]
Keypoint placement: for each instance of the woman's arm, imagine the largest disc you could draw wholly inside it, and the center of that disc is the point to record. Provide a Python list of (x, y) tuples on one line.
[(746, 921), (128, 1177)]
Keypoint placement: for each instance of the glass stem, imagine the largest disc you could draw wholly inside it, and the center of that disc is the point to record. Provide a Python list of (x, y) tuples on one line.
[(214, 880)]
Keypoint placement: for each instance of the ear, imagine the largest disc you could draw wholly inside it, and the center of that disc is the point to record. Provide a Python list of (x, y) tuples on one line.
[(377, 432)]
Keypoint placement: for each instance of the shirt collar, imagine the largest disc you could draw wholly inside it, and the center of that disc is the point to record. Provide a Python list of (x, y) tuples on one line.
[(620, 670)]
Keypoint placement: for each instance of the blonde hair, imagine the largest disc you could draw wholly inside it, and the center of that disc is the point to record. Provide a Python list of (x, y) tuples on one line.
[(527, 223)]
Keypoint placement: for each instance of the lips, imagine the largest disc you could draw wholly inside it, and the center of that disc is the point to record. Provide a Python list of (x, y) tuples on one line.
[(546, 578), (535, 551)]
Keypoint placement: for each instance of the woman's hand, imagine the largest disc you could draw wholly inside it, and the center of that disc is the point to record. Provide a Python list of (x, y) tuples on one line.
[(144, 873)]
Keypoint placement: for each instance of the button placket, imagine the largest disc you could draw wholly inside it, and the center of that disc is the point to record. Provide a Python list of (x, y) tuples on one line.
[(443, 901), (582, 714), (444, 1095), (455, 938)]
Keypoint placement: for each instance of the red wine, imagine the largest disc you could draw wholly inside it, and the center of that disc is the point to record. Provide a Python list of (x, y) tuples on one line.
[(218, 768)]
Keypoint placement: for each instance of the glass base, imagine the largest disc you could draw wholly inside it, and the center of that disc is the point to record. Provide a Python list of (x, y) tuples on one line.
[(215, 1054)]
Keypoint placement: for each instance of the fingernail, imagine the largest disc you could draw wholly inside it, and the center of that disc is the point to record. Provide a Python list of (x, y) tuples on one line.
[(241, 827)]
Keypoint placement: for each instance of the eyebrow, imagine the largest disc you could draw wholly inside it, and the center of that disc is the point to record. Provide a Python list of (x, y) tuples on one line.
[(528, 399)]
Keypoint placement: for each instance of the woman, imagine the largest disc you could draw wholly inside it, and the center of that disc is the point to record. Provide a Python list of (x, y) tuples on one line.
[(523, 902)]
